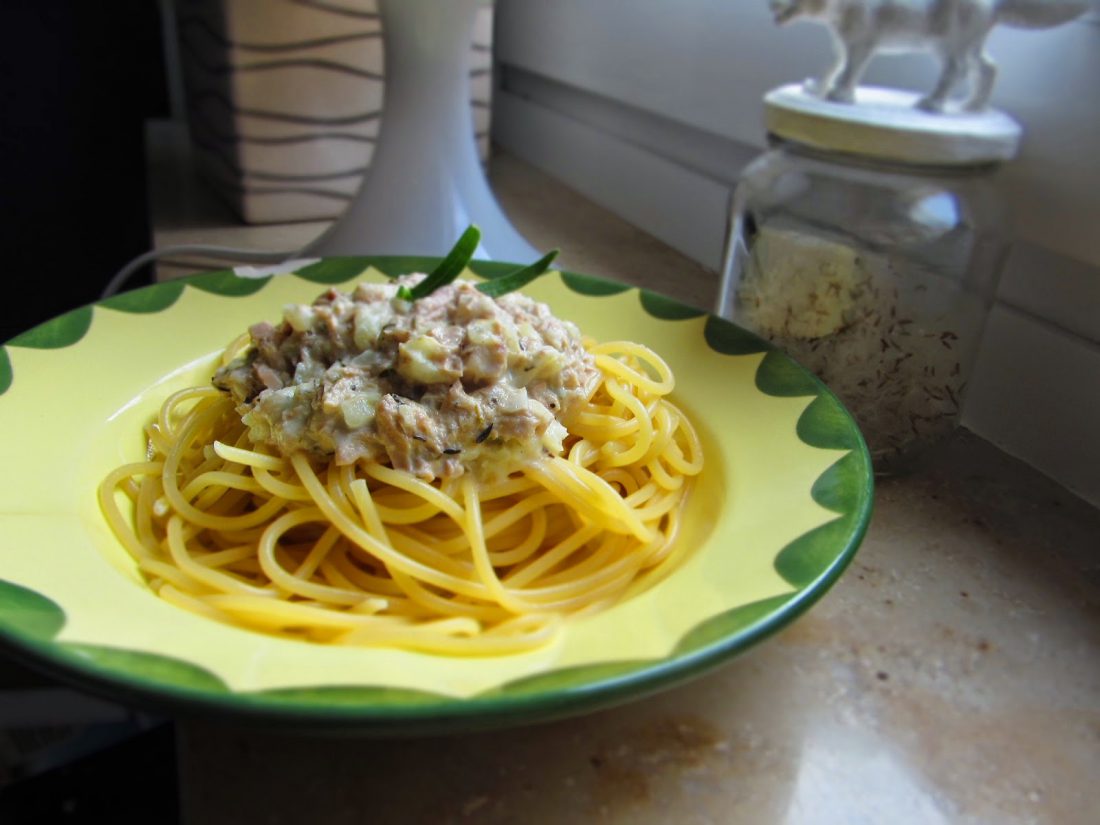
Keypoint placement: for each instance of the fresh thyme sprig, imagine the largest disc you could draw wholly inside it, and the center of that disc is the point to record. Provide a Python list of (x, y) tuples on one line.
[(518, 278), (449, 268), (457, 260)]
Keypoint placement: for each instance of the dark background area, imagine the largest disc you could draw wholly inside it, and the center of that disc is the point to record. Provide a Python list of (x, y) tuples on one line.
[(77, 81)]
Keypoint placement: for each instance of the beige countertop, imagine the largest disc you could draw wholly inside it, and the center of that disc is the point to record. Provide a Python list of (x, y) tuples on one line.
[(952, 675)]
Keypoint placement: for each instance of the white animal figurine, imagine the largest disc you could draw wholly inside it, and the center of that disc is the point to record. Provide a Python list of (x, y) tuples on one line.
[(953, 29)]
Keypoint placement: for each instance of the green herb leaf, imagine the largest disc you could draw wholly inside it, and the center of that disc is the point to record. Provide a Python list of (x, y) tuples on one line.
[(451, 266), (519, 278)]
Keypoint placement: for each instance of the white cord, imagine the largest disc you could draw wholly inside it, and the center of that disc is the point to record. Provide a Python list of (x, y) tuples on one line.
[(251, 256)]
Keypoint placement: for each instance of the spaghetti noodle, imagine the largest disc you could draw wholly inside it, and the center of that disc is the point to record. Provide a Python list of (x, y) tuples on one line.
[(359, 552)]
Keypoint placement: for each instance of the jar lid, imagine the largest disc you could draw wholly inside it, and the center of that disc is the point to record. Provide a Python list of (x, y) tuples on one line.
[(885, 124)]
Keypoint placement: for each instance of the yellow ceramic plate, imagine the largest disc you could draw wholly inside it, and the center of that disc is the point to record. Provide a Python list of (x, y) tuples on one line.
[(777, 514)]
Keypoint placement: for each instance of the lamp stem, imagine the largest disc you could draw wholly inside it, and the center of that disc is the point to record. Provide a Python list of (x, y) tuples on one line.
[(425, 183)]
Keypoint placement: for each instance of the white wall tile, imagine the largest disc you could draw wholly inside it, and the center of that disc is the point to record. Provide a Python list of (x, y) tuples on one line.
[(1036, 394), (683, 208)]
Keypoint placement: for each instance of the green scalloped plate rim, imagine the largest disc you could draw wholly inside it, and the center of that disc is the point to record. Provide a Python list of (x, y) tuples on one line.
[(810, 564)]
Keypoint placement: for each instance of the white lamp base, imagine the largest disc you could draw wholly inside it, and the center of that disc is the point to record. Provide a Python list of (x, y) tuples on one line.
[(425, 184)]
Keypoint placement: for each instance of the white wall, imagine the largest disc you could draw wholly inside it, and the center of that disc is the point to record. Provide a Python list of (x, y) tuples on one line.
[(707, 63), (652, 107)]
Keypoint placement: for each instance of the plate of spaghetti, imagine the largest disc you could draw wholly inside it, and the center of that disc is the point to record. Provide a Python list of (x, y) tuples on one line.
[(362, 497)]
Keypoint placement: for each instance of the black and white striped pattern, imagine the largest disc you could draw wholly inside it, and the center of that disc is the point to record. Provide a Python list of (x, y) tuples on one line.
[(285, 99)]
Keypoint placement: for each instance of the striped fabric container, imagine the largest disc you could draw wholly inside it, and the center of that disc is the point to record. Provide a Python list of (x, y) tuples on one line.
[(285, 99)]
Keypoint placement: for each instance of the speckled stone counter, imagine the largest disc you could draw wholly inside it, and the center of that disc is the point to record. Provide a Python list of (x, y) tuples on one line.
[(952, 675)]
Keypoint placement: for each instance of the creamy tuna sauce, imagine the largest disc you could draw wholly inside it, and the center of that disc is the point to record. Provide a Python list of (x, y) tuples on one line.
[(454, 382)]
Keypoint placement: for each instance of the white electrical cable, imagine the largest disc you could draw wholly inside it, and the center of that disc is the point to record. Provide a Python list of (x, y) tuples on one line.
[(224, 252)]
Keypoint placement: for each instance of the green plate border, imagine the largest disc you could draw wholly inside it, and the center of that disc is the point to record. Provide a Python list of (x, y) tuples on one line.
[(29, 621)]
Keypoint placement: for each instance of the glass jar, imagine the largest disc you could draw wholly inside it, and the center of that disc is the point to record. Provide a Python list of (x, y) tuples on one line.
[(876, 274)]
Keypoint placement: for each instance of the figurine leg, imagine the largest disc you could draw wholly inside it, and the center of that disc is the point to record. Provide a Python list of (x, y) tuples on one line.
[(820, 86), (983, 74), (952, 73), (843, 87)]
